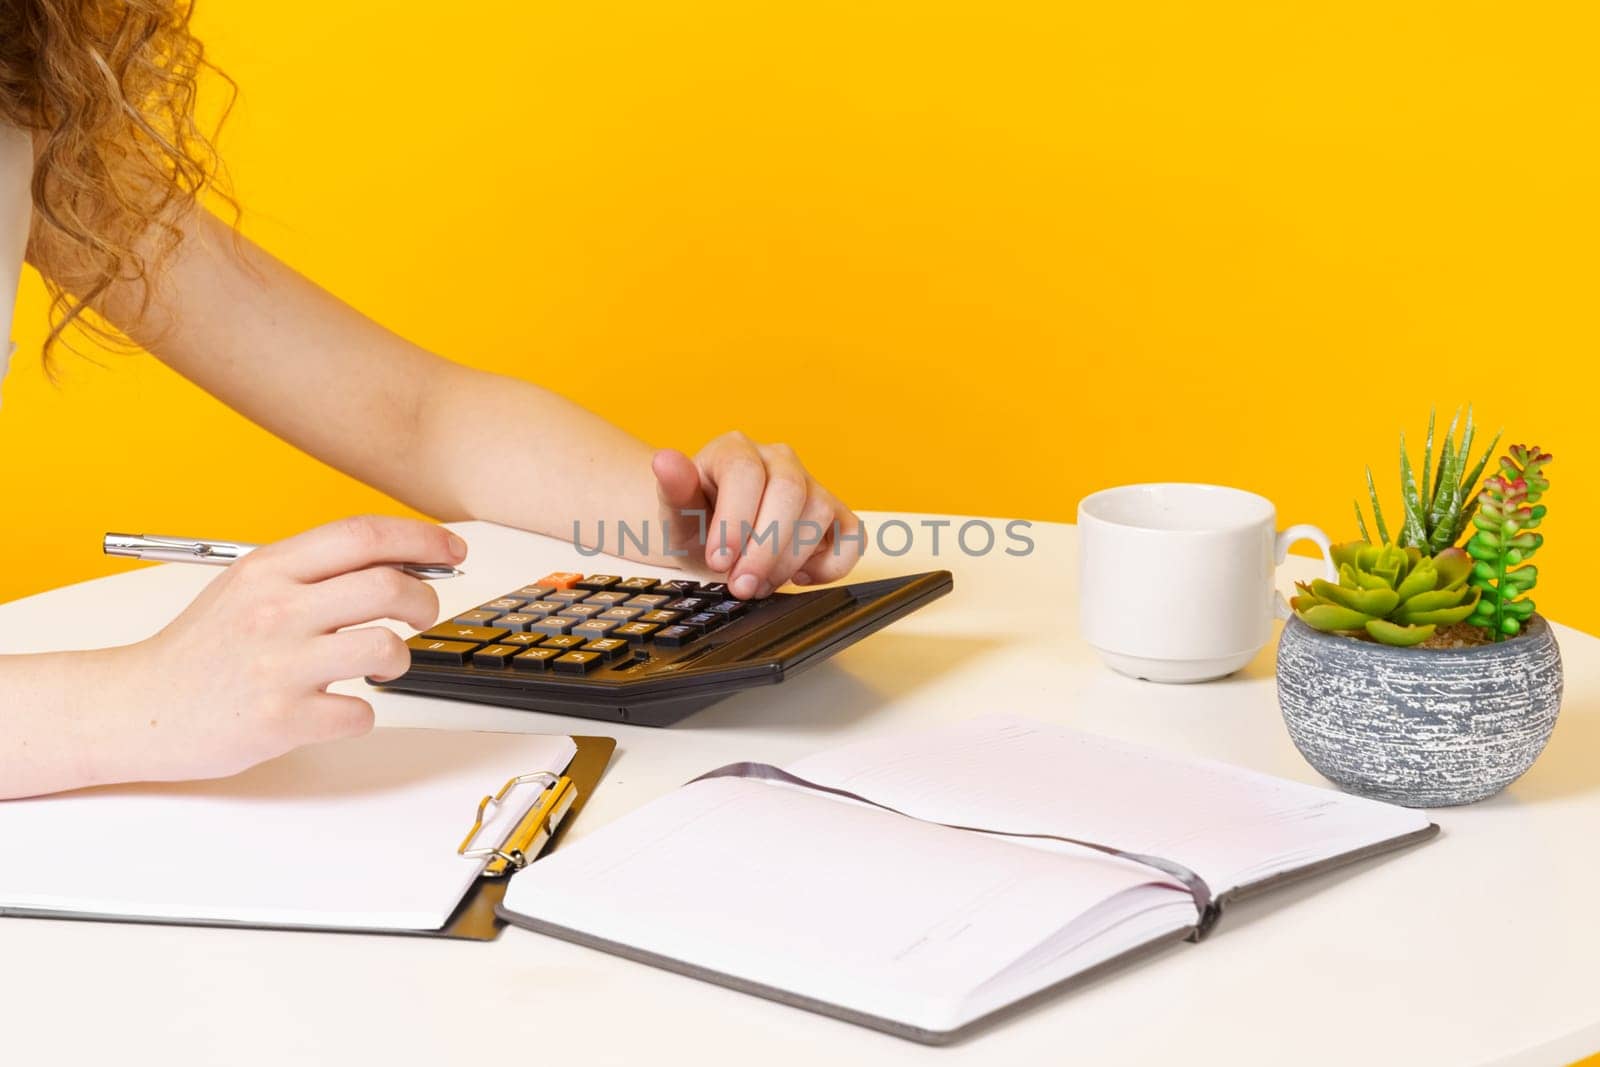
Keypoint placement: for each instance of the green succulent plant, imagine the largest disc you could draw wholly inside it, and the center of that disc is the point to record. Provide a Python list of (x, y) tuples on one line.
[(1438, 511), (1392, 594), (1506, 539)]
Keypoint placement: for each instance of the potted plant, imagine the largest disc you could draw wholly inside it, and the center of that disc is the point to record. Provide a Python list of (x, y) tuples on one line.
[(1423, 676)]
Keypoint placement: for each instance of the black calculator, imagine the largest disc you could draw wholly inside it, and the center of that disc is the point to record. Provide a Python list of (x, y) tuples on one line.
[(644, 650)]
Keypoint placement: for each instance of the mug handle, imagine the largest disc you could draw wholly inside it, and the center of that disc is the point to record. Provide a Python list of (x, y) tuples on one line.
[(1303, 532)]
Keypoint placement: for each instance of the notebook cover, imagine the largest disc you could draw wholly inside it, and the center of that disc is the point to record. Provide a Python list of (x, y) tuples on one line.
[(944, 1037), (476, 919), (1300, 874), (839, 1011)]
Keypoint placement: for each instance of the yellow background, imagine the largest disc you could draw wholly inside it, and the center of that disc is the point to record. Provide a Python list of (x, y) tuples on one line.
[(978, 257)]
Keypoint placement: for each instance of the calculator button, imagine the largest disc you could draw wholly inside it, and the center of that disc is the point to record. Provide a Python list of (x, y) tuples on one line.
[(561, 579), (535, 659), (674, 636), (534, 592), (494, 655), (577, 662), (505, 603), (637, 585), (622, 614), (481, 635), (562, 642), (594, 628), (637, 632), (516, 621), (566, 596), (608, 647), (686, 604), (606, 599), (713, 591), (598, 581), (478, 617), (731, 609), (552, 625), (648, 601), (676, 587), (705, 620), (430, 650), (543, 607), (522, 640), (661, 618), (580, 612)]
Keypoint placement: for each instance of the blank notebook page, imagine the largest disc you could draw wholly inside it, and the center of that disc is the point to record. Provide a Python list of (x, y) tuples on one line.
[(783, 888), (1230, 825), (844, 904), (359, 833)]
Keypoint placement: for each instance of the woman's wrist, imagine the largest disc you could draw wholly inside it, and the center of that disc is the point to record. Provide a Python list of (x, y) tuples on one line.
[(67, 723), (115, 722)]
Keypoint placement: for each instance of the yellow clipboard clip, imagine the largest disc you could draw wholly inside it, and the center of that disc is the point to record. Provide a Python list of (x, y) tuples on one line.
[(529, 837)]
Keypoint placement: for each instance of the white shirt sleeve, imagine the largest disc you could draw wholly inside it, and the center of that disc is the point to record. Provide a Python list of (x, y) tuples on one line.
[(16, 173)]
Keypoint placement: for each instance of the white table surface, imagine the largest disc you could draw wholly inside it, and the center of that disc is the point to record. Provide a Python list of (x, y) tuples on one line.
[(1482, 946)]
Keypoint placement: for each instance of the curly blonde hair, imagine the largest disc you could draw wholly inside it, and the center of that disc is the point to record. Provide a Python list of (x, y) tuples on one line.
[(109, 89)]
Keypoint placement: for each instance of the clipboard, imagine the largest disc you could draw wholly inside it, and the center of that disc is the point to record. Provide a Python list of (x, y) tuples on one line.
[(475, 919), (478, 918)]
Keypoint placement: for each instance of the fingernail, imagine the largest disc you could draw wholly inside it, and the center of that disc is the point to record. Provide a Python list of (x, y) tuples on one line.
[(458, 547), (745, 586), (802, 578)]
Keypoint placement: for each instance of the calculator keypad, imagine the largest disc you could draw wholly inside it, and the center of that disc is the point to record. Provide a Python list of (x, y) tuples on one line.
[(480, 617), (494, 655), (595, 629), (552, 625), (431, 650), (609, 647), (535, 659), (676, 636), (576, 662), (573, 625), (565, 642), (478, 635)]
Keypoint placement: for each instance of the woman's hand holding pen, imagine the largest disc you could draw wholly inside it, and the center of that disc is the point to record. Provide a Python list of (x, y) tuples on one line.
[(242, 674), (763, 519)]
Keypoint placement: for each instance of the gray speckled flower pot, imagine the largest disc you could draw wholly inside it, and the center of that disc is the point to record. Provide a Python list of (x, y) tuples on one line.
[(1420, 727)]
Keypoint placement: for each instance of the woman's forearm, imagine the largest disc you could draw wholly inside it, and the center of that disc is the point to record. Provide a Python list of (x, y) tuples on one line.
[(55, 722), (448, 440), (518, 454), (455, 442)]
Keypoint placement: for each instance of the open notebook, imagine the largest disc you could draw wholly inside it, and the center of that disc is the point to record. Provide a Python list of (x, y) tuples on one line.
[(925, 920), (360, 834)]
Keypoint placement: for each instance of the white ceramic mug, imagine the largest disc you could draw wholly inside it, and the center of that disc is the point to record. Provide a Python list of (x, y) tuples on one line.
[(1177, 581)]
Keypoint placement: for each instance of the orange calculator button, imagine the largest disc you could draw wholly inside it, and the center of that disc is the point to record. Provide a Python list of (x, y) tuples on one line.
[(560, 580)]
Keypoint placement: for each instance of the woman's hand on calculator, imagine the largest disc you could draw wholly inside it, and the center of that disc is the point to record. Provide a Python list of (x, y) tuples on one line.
[(758, 515), (241, 675)]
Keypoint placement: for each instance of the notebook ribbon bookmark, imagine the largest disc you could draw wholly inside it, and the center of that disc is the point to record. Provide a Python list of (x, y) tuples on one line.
[(1197, 887)]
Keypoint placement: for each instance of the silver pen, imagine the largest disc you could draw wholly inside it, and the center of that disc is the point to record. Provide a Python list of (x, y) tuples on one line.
[(222, 553)]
